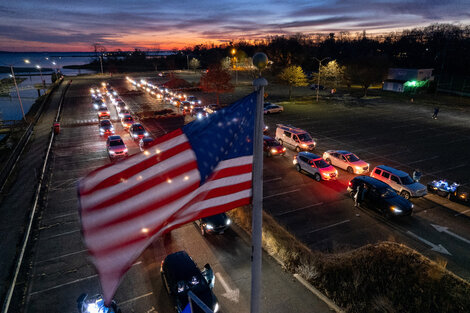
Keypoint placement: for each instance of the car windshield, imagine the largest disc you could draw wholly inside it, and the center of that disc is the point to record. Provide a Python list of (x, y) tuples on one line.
[(128, 119), (105, 123), (304, 137), (352, 157), (406, 180), (138, 127), (320, 163), (272, 143), (387, 193), (115, 143)]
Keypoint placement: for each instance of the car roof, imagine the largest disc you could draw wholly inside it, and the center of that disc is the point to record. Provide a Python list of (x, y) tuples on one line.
[(309, 155), (147, 139), (181, 266), (372, 181), (343, 151), (291, 129), (114, 137), (127, 115), (267, 138), (392, 170)]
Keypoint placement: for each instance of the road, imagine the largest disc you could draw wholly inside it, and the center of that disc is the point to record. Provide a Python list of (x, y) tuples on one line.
[(59, 268), (322, 215)]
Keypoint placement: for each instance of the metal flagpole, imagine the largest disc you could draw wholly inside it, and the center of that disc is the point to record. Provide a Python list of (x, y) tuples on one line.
[(260, 60)]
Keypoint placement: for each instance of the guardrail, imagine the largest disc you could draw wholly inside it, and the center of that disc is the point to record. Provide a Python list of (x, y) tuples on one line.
[(15, 155)]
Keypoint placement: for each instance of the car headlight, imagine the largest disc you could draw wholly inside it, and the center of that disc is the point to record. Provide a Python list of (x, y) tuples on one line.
[(216, 307), (228, 222), (199, 116), (326, 174), (209, 226), (125, 150), (358, 168), (135, 135), (273, 150), (111, 152), (146, 134), (395, 209), (304, 145)]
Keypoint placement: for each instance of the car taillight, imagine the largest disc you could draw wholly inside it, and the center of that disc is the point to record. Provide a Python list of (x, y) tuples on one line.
[(349, 184)]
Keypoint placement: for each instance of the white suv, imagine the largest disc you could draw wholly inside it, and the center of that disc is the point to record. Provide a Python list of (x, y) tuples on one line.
[(295, 138), (399, 180), (314, 165)]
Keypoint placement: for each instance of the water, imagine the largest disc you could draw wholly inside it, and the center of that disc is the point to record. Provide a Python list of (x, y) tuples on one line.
[(9, 105)]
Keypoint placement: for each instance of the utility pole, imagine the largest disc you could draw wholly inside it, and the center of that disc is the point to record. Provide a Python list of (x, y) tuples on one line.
[(17, 91), (319, 73), (187, 61), (101, 63)]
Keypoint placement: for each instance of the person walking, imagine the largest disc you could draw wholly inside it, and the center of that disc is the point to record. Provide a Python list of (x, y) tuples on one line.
[(436, 112), (417, 175), (359, 196), (208, 274)]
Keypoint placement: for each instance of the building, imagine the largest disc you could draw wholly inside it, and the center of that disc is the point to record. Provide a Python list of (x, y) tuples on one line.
[(400, 79)]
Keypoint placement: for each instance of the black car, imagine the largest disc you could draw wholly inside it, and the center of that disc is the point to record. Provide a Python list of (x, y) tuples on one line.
[(181, 274), (215, 224), (381, 197)]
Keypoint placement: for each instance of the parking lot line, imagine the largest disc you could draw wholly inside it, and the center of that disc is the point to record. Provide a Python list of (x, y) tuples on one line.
[(280, 194), (329, 226), (61, 256), (272, 179), (62, 234), (70, 282), (461, 213), (299, 209), (450, 168), (422, 160), (136, 298), (60, 216)]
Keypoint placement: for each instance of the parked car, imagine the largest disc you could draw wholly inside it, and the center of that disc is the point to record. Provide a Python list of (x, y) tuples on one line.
[(106, 128), (399, 181), (295, 138), (215, 224), (273, 108), (145, 143), (103, 113), (314, 165), (127, 121), (137, 131), (272, 147), (346, 160), (381, 197), (198, 112), (116, 147), (121, 106), (180, 274)]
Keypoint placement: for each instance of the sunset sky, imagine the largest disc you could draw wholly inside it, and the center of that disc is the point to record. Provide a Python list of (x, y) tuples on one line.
[(74, 25)]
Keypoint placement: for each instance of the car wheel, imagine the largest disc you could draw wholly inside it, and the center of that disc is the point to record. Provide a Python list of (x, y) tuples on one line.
[(405, 194), (328, 161), (317, 177), (297, 167), (350, 170), (297, 149), (203, 231)]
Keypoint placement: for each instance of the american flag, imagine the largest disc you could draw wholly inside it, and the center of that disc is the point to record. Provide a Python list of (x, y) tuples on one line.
[(199, 170)]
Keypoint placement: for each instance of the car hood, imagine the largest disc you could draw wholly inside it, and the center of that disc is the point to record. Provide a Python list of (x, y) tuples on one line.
[(400, 202), (117, 148), (415, 186), (216, 220), (360, 163), (329, 169)]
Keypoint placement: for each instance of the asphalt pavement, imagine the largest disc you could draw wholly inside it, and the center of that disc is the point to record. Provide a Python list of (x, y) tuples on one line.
[(59, 266)]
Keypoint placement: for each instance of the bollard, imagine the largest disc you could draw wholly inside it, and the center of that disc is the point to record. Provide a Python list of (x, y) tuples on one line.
[(56, 128)]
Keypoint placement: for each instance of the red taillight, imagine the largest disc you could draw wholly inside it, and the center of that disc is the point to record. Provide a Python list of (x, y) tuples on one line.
[(349, 184), (283, 149)]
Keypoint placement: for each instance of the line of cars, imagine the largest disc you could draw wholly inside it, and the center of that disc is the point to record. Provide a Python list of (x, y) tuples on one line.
[(115, 146), (387, 189)]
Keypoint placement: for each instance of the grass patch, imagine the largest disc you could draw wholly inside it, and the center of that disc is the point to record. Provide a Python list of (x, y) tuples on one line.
[(383, 277)]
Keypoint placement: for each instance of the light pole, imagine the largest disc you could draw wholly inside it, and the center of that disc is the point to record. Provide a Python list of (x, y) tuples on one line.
[(319, 72), (17, 91), (101, 63), (187, 61), (40, 72), (233, 52)]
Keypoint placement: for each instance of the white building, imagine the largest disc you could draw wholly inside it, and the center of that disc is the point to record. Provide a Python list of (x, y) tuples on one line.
[(399, 78)]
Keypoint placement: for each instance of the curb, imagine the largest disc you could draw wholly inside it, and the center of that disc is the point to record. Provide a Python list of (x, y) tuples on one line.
[(460, 209)]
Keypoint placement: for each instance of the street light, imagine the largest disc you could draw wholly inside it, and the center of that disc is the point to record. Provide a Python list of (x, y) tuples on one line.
[(233, 52), (40, 72), (319, 72), (17, 91)]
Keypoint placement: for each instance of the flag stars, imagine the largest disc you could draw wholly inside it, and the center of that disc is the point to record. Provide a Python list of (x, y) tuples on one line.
[(186, 177)]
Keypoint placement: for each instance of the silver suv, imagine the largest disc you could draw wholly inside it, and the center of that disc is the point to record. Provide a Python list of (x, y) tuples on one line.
[(400, 181)]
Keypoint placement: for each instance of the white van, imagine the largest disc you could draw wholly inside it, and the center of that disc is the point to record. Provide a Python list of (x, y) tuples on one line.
[(294, 138)]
